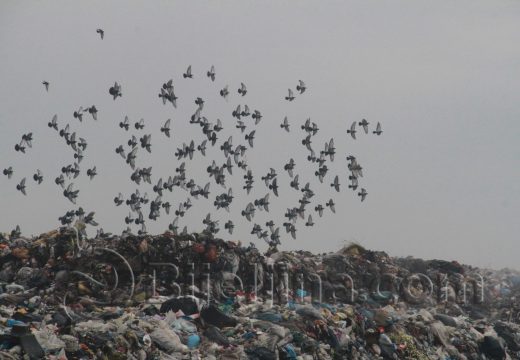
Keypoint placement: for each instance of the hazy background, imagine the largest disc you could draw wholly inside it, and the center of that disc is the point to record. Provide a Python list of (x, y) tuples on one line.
[(441, 76)]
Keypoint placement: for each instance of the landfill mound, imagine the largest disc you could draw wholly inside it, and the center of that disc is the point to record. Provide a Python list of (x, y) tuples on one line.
[(197, 297)]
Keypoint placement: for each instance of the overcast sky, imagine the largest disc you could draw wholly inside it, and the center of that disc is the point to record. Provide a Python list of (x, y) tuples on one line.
[(442, 77)]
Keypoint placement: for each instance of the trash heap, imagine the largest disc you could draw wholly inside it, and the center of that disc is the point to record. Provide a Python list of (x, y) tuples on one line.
[(197, 297)]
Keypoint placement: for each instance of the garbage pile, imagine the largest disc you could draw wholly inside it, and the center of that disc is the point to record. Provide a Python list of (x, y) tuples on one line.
[(197, 297)]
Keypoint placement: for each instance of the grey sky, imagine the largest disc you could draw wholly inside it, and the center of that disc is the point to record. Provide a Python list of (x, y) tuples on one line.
[(441, 76)]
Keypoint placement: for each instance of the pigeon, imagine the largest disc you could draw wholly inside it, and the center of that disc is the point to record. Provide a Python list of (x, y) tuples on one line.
[(319, 209), (301, 87), (139, 125), (363, 194), (229, 226), (168, 94), (125, 124), (129, 219), (21, 186), (89, 219), (60, 180), (121, 151), (202, 147), (91, 173), (290, 96), (245, 112), (352, 130), (335, 184), (257, 116), (173, 227), (46, 84), (224, 92), (181, 211), (93, 111), (64, 133), (146, 142), (187, 74), (249, 211), (289, 167), (250, 137), (285, 124), (71, 194), (263, 203), (8, 172), (228, 166), (309, 221), (101, 33), (240, 125), (200, 102), (364, 123), (237, 112), (211, 73), (115, 90), (118, 200), (38, 177), (378, 130), (82, 144), (330, 204), (354, 182), (242, 90), (16, 232), (130, 158), (307, 142), (274, 186), (294, 183), (53, 123), (20, 147), (27, 138)]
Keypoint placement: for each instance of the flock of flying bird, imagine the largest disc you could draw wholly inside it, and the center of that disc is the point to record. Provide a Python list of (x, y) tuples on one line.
[(234, 154)]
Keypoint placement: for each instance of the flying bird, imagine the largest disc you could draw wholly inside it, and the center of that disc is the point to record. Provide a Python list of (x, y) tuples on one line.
[(187, 74), (242, 90), (125, 124), (60, 180), (290, 96), (211, 73), (224, 92), (229, 226), (330, 204), (378, 130), (352, 130), (46, 84), (20, 147), (101, 33), (289, 167), (362, 194), (115, 90), (8, 172), (21, 186), (93, 111), (91, 173), (364, 123), (38, 177), (335, 184), (285, 124), (301, 87), (139, 125), (53, 123), (166, 128), (250, 137), (257, 116)]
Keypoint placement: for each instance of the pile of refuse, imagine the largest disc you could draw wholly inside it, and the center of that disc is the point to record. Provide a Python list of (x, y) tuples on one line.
[(63, 296)]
